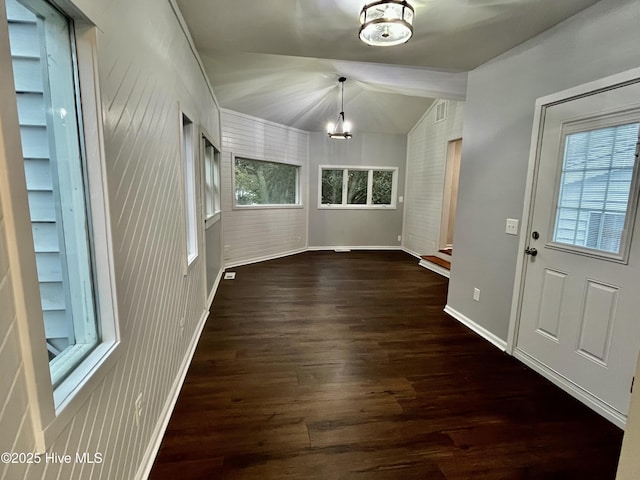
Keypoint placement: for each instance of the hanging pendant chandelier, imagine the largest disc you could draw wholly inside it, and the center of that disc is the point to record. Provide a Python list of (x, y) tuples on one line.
[(341, 129), (386, 23)]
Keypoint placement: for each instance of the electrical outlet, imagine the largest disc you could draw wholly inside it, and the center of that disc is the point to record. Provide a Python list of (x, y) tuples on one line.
[(476, 294), (399, 238), (137, 409), (400, 199), (181, 325), (512, 226)]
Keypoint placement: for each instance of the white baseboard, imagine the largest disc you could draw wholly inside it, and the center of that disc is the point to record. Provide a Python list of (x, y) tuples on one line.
[(351, 247), (158, 432), (480, 330), (572, 389), (434, 268), (411, 252), (212, 294), (240, 263)]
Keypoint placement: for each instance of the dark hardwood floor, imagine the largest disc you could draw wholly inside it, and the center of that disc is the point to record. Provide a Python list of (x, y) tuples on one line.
[(343, 366)]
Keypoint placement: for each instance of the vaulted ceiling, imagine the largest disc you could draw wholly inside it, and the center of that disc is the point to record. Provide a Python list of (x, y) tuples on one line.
[(281, 59)]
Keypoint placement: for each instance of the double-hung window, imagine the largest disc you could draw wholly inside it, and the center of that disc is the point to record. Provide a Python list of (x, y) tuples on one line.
[(357, 187), (67, 203)]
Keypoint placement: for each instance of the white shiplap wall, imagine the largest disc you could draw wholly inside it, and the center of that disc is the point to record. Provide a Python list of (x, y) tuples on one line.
[(256, 234), (426, 162), (15, 421), (146, 71)]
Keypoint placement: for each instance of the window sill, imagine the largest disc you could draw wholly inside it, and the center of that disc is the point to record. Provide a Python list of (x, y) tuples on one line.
[(191, 259), (357, 207), (76, 389), (267, 207), (212, 220), (67, 359)]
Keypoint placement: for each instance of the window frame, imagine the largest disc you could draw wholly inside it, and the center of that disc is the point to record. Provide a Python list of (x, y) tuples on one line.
[(52, 409), (587, 124), (214, 177), (299, 202), (345, 173), (189, 164)]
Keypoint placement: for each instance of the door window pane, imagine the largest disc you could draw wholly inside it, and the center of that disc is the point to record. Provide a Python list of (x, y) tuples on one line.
[(595, 183)]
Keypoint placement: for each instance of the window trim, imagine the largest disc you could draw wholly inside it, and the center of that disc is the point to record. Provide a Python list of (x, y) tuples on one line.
[(52, 410), (188, 173), (205, 138), (299, 203), (368, 205)]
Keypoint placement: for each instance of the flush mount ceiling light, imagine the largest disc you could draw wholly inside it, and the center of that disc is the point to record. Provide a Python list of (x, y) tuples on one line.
[(341, 129), (386, 23)]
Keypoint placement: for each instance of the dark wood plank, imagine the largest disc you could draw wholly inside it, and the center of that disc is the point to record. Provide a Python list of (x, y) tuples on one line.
[(343, 366)]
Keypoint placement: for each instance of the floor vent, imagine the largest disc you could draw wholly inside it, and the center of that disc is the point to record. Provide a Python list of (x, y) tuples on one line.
[(230, 275), (342, 250)]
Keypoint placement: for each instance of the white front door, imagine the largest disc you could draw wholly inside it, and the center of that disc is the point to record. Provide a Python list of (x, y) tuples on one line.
[(580, 306)]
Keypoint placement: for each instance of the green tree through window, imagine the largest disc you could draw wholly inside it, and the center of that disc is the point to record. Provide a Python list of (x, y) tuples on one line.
[(382, 187), (358, 187), (265, 183)]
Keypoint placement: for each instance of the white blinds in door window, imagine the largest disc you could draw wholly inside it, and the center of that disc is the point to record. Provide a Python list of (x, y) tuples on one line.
[(595, 185)]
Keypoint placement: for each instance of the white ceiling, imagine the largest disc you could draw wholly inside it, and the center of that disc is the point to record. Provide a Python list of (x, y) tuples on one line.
[(280, 59)]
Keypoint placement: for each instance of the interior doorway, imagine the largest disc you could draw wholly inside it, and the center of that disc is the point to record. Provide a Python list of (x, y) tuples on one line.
[(450, 195)]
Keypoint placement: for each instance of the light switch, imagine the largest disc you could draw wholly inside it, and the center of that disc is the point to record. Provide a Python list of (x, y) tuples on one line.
[(512, 226)]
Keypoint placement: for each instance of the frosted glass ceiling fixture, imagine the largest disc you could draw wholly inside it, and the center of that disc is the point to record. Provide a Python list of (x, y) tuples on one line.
[(386, 23), (341, 129)]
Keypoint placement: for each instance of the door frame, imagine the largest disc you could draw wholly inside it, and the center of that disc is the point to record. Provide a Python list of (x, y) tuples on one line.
[(621, 79), (452, 174)]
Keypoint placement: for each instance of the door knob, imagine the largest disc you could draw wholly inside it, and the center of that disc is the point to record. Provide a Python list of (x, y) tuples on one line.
[(531, 251)]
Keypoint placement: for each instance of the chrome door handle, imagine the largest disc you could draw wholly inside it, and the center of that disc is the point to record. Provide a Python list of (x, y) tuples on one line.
[(531, 251)]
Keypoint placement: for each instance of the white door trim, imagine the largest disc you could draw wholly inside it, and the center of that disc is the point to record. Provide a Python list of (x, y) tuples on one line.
[(620, 79), (607, 83)]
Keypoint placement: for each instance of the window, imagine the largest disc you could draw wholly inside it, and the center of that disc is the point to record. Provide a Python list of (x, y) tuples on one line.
[(261, 183), (359, 187), (441, 112), (64, 169), (211, 178), (55, 173), (595, 185), (189, 177)]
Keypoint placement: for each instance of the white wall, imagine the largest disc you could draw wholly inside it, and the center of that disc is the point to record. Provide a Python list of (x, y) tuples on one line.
[(146, 69), (254, 234), (597, 42), (426, 166), (355, 228)]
